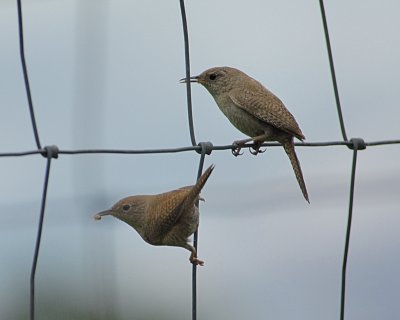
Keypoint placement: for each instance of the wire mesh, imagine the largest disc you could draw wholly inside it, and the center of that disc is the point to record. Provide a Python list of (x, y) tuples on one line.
[(203, 148)]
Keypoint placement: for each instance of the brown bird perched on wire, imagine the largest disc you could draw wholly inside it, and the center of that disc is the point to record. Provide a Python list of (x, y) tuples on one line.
[(255, 111), (165, 219)]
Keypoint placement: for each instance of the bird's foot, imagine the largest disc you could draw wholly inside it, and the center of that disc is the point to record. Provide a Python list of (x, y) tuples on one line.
[(256, 147), (196, 261), (236, 151), (239, 144)]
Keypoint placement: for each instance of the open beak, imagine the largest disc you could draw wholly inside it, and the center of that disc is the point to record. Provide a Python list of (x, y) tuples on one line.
[(98, 216), (191, 79)]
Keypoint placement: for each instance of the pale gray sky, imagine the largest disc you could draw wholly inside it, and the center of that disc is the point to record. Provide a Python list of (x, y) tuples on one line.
[(104, 74)]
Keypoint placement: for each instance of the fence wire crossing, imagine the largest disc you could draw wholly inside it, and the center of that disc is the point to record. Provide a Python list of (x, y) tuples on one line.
[(202, 148)]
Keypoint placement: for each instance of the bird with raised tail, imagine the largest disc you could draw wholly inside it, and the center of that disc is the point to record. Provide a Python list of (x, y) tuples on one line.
[(166, 219), (255, 111)]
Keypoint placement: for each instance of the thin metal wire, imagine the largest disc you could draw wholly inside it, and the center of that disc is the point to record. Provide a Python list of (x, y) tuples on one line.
[(39, 236), (195, 240), (192, 148), (127, 151), (332, 67), (348, 231), (25, 72), (198, 148), (48, 153), (381, 143), (20, 153), (187, 69)]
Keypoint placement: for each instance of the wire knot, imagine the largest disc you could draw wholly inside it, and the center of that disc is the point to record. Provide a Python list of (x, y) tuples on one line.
[(205, 147), (357, 144), (50, 152)]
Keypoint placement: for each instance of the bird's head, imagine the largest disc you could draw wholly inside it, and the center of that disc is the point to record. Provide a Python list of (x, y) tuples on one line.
[(130, 210), (218, 80)]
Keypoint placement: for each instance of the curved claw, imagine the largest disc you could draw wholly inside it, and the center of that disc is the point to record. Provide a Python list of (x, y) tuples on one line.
[(256, 151), (256, 147), (239, 144), (236, 151)]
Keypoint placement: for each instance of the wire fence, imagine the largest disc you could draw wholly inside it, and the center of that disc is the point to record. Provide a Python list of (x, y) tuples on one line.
[(202, 148)]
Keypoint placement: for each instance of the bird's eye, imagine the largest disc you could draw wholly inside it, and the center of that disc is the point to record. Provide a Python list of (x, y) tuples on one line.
[(213, 76), (126, 207)]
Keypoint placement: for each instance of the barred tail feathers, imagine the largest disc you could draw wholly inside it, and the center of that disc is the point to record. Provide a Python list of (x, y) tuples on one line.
[(288, 145), (194, 193)]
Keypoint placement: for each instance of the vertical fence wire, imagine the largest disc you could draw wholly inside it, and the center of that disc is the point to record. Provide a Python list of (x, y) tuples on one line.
[(25, 73), (353, 171), (358, 145), (204, 148), (193, 140), (332, 68), (187, 72), (50, 155)]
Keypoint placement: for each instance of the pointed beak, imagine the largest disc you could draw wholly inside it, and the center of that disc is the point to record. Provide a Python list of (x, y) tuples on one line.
[(191, 79), (98, 216)]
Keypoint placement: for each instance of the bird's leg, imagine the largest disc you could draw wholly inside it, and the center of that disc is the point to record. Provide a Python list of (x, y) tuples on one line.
[(258, 140), (193, 256), (239, 144), (256, 148), (193, 259), (257, 144)]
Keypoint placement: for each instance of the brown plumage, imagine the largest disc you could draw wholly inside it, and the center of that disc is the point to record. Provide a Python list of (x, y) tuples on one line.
[(255, 111), (165, 219)]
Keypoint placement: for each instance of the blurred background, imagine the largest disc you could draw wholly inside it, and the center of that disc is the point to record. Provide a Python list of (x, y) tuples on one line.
[(104, 74)]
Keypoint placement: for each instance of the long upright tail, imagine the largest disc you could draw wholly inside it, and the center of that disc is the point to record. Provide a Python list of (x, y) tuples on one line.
[(194, 193), (288, 145)]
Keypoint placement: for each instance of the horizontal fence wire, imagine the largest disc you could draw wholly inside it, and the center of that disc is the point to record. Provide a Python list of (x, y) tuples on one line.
[(203, 148), (191, 148)]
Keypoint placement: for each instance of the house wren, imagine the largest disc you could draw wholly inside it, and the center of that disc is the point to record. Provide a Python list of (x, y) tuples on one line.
[(255, 111), (165, 219)]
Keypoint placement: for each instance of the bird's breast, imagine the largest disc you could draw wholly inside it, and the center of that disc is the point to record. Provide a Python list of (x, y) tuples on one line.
[(240, 118)]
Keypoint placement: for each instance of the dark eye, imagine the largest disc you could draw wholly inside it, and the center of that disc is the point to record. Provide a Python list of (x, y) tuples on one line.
[(126, 207), (213, 76)]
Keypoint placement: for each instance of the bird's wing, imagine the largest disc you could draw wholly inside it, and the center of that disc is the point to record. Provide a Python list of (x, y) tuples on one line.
[(170, 206), (165, 212), (267, 107)]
